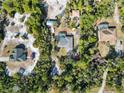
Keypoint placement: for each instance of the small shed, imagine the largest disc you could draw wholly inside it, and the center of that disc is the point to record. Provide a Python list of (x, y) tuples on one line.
[(51, 22)]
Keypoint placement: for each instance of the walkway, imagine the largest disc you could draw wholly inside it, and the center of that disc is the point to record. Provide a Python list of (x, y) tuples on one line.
[(104, 81)]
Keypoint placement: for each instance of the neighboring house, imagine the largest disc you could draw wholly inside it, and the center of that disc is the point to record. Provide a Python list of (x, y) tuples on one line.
[(107, 36), (17, 50), (17, 57), (106, 33)]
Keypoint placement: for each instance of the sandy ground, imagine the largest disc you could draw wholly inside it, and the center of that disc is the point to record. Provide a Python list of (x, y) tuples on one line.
[(55, 7), (11, 41)]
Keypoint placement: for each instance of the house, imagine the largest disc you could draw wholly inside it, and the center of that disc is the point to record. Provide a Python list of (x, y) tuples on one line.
[(18, 58), (106, 33), (19, 53), (65, 41), (17, 50), (110, 35)]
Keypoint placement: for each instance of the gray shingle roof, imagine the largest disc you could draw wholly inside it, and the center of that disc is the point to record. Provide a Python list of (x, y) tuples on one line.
[(19, 53), (65, 41)]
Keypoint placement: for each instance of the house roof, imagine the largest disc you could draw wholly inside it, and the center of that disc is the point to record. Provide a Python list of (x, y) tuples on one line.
[(107, 36), (106, 31), (65, 41), (19, 53), (62, 39)]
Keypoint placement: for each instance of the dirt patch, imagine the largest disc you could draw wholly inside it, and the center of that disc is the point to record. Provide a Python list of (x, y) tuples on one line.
[(8, 48), (103, 49)]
